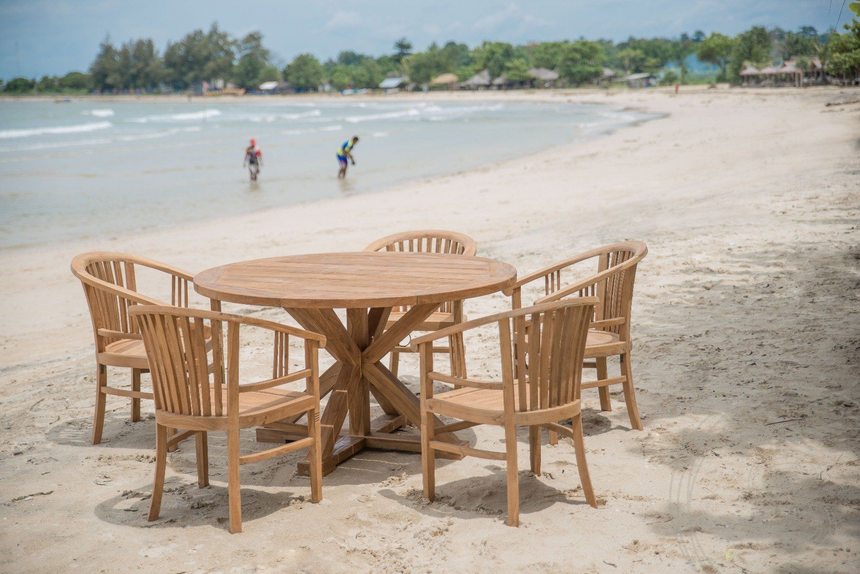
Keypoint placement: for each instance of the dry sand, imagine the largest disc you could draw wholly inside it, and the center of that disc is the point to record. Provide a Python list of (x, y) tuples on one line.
[(747, 327)]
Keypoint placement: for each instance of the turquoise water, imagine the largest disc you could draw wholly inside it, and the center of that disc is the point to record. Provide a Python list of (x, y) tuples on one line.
[(89, 168)]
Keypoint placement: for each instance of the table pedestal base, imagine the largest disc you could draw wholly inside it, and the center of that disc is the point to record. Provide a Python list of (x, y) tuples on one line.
[(358, 349)]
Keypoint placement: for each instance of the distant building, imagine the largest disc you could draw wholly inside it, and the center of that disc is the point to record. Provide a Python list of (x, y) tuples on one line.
[(395, 83), (543, 78), (449, 81), (793, 72), (479, 81), (643, 80), (605, 78)]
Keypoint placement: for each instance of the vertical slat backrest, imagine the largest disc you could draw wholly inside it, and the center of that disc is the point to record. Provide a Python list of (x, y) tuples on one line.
[(556, 348), (616, 291), (281, 358), (176, 347), (422, 242), (109, 310)]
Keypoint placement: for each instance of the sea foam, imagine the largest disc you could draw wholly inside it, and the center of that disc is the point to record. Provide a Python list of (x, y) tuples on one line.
[(58, 130), (104, 113), (184, 117)]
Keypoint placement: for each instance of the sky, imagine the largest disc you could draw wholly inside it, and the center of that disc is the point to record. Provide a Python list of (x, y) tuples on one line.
[(39, 37)]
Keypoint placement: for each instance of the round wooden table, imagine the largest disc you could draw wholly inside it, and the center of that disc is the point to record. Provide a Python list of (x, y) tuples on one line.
[(368, 286)]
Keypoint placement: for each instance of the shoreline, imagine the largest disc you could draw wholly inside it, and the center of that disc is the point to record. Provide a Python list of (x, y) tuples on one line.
[(745, 323), (574, 140)]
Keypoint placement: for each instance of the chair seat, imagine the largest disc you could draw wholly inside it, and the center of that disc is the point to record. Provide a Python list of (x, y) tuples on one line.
[(487, 406), (256, 408), (438, 320), (125, 353), (131, 353), (604, 344)]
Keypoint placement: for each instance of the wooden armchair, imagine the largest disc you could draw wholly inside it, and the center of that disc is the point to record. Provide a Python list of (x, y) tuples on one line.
[(191, 396), (540, 395), (450, 313), (110, 286), (609, 334)]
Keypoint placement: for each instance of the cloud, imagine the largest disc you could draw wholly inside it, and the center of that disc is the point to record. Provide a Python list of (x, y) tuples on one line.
[(511, 17), (343, 21)]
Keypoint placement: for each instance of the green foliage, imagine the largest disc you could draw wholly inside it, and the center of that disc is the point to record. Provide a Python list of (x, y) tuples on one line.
[(367, 75), (305, 72), (631, 60), (340, 77), (494, 56), (74, 81), (517, 70), (716, 49), (546, 54), (20, 86), (844, 51), (669, 78), (48, 84), (214, 54), (402, 50), (580, 61), (753, 46), (253, 59), (424, 66), (200, 56)]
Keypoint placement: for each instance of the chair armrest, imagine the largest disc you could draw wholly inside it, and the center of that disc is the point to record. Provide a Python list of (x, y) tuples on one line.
[(540, 274), (580, 285), (482, 321)]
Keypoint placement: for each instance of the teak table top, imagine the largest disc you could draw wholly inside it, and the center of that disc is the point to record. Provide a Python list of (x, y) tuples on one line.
[(355, 280)]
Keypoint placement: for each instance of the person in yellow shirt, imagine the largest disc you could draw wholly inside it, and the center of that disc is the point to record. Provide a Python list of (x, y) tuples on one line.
[(344, 152)]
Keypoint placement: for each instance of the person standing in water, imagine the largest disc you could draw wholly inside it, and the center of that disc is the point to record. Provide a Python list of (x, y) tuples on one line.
[(253, 159), (344, 152)]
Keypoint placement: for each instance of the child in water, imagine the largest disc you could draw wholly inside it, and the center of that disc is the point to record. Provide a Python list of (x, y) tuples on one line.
[(344, 152), (253, 159)]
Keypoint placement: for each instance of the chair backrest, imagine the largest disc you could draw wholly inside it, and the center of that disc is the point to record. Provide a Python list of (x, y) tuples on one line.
[(427, 241), (612, 285), (188, 378), (110, 286), (553, 351)]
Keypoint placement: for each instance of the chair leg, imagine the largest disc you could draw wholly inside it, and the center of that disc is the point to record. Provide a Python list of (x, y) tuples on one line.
[(513, 475), (160, 466), (135, 402), (315, 455), (457, 350), (233, 478), (428, 455), (202, 450), (170, 432), (629, 393), (99, 416), (394, 362), (579, 447), (605, 404), (534, 448), (553, 438)]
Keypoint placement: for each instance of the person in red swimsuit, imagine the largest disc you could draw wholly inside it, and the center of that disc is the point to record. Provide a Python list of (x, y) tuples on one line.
[(253, 159)]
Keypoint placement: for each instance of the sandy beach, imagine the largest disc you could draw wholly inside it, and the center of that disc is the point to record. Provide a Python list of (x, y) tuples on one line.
[(747, 344)]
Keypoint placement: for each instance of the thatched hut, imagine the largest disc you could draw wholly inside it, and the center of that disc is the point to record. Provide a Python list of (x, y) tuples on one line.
[(643, 80), (605, 78), (479, 81), (543, 78), (449, 81)]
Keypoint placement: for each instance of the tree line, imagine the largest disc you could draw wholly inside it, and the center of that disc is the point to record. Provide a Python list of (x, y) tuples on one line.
[(216, 56)]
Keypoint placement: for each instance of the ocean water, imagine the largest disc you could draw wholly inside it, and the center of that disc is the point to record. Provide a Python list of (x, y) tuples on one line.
[(90, 168)]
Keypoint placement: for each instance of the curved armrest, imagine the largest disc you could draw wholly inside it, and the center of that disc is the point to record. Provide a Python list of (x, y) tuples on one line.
[(159, 266), (480, 322), (540, 274), (229, 318)]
